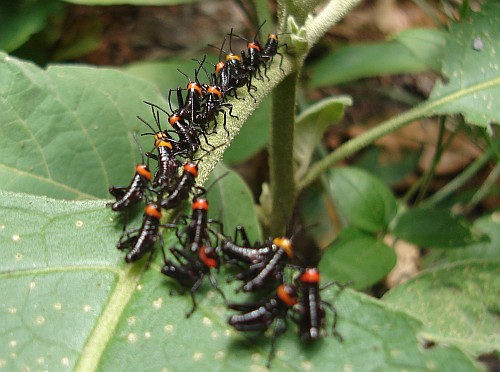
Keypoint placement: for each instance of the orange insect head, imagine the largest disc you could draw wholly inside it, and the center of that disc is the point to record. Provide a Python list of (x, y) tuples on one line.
[(285, 244), (310, 275)]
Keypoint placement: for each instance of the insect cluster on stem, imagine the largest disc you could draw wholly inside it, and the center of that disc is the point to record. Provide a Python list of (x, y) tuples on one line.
[(202, 246)]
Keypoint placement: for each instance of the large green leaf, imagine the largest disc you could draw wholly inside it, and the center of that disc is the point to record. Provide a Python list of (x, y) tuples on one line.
[(21, 19), (425, 44), (66, 132), (489, 225), (471, 64), (458, 304), (310, 126), (70, 302), (357, 257), (435, 228), (411, 51), (252, 138), (361, 199), (163, 74), (390, 170), (231, 202)]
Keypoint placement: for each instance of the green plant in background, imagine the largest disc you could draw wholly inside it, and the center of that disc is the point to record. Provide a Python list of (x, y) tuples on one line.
[(71, 302)]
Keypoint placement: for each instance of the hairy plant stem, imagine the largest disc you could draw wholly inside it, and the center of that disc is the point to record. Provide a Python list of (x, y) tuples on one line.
[(283, 190)]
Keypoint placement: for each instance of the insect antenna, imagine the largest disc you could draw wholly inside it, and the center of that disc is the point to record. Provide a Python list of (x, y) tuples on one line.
[(149, 126)]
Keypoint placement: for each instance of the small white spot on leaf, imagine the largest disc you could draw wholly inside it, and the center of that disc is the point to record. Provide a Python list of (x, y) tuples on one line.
[(207, 322), (211, 295), (16, 237), (169, 328), (87, 308), (139, 287), (57, 306), (348, 368), (432, 365), (39, 320), (219, 310), (12, 343), (477, 44), (197, 356), (32, 285), (79, 223), (495, 217), (307, 365), (157, 304), (131, 320), (65, 361), (12, 310), (132, 338), (147, 335), (19, 256), (214, 335), (395, 352), (219, 355), (40, 360)]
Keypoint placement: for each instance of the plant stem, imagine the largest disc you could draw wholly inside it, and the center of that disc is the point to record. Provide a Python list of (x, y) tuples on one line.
[(459, 180), (283, 190), (333, 12), (354, 145), (485, 188), (427, 178)]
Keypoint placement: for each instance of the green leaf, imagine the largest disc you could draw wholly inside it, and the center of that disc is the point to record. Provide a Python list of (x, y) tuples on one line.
[(66, 131), (427, 45), (310, 126), (21, 19), (231, 202), (471, 64), (316, 210), (387, 58), (435, 228), (489, 225), (70, 302), (163, 74), (88, 43), (457, 303), (389, 169), (358, 258), (362, 201), (253, 136)]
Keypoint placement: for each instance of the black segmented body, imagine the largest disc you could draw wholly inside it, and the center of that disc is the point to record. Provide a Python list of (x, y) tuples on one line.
[(248, 255), (167, 168), (141, 241), (134, 193), (182, 188)]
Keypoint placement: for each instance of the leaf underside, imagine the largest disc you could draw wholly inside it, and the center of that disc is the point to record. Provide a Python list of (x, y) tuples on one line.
[(71, 302)]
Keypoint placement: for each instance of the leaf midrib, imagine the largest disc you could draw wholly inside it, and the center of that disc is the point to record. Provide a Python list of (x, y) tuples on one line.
[(104, 329)]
